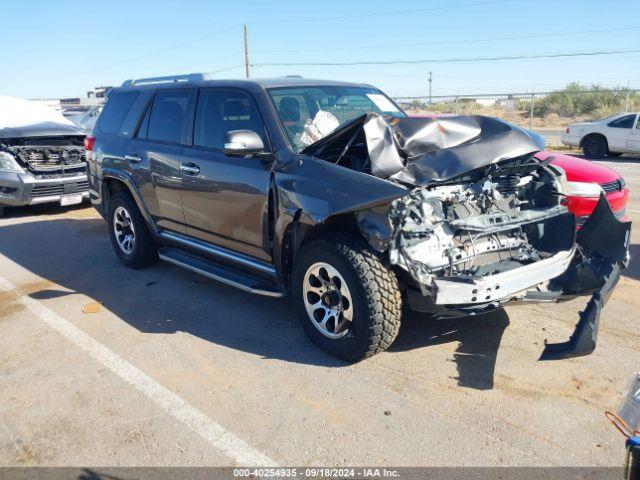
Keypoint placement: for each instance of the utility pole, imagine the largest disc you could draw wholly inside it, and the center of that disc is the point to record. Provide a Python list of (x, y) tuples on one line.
[(626, 102), (430, 80), (246, 51), (533, 104)]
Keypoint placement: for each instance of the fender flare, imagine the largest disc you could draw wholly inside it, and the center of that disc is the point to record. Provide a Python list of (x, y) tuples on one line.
[(128, 181)]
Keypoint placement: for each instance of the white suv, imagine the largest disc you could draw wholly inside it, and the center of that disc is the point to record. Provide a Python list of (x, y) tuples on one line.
[(611, 136)]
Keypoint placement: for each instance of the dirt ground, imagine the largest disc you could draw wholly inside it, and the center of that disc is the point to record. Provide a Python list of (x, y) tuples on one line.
[(104, 366)]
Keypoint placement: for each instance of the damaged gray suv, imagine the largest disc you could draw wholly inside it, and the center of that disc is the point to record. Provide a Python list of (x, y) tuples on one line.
[(42, 158), (328, 192)]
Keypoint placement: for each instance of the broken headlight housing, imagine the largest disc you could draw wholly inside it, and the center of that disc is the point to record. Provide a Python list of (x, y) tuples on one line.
[(9, 164)]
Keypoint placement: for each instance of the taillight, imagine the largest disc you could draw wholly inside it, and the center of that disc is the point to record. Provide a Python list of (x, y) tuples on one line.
[(89, 142), (567, 131)]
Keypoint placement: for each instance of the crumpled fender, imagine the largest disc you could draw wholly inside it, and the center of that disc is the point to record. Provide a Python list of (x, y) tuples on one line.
[(310, 191), (603, 245), (320, 189)]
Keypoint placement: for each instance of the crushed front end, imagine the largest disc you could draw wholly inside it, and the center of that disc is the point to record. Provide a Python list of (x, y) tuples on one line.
[(42, 170), (476, 243), (504, 236), (484, 222)]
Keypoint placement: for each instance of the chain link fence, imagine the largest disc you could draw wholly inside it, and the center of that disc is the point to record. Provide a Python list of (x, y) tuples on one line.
[(548, 113)]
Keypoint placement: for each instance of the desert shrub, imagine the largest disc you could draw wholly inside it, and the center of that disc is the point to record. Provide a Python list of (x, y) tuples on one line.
[(579, 100)]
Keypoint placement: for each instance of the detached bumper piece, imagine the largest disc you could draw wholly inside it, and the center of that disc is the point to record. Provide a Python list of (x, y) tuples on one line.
[(583, 340), (604, 246)]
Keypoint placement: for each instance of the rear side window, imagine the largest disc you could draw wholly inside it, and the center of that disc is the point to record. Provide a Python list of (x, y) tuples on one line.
[(168, 116), (115, 111), (219, 112), (623, 122)]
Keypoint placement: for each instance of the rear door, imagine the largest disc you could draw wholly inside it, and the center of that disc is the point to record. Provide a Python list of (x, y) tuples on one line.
[(225, 197), (158, 145), (633, 143)]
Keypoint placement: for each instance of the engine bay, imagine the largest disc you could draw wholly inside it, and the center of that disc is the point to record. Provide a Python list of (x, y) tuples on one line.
[(499, 218), (48, 157)]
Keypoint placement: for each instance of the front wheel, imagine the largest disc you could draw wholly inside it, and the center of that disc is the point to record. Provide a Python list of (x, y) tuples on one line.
[(347, 299)]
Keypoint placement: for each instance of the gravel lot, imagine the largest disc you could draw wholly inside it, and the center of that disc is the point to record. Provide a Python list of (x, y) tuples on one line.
[(104, 366)]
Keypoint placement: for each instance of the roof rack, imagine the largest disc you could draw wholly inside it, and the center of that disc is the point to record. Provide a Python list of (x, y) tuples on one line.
[(189, 77)]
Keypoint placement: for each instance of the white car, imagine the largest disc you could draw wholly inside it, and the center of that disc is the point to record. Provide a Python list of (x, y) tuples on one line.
[(611, 136), (85, 121)]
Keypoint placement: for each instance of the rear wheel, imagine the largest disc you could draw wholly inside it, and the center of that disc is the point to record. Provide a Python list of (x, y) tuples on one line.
[(128, 232), (347, 299), (594, 146)]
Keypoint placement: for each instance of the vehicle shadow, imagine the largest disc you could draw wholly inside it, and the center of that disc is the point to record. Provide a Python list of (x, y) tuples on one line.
[(478, 340), (76, 255), (43, 209), (93, 474)]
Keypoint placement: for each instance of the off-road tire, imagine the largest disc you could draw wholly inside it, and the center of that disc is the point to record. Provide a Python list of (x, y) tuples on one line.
[(374, 289), (145, 251), (594, 147)]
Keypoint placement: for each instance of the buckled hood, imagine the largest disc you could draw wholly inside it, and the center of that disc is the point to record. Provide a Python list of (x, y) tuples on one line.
[(419, 151)]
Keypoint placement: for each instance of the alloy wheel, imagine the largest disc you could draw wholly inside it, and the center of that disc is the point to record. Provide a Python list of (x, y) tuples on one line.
[(327, 300), (124, 230)]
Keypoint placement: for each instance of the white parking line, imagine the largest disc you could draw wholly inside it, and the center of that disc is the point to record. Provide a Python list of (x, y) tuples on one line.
[(173, 404)]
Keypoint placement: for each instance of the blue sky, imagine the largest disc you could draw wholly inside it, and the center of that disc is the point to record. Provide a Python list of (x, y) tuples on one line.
[(63, 48)]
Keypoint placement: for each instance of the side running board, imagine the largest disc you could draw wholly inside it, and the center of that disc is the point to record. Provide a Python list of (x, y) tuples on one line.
[(220, 273)]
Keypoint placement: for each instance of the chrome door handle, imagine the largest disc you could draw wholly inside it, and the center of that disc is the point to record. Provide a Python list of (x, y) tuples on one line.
[(190, 169), (133, 158)]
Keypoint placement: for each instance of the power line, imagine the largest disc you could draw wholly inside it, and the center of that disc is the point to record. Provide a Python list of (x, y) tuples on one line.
[(225, 69), (199, 67), (443, 60), (380, 14), (450, 42), (303, 20), (529, 78), (168, 49), (518, 94)]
